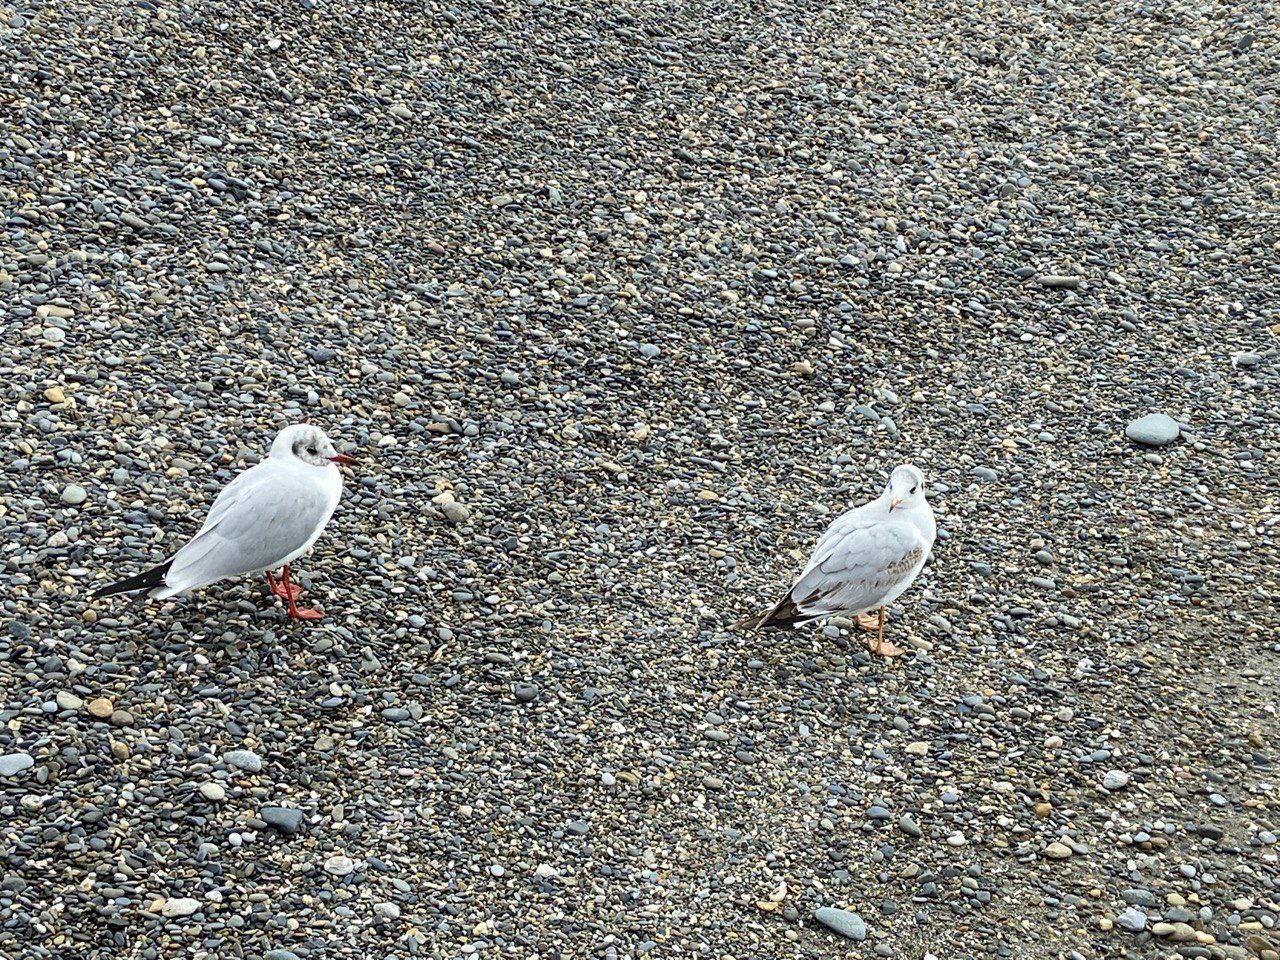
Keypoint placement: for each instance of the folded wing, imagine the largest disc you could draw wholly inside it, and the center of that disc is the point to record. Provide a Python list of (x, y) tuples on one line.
[(857, 565), (261, 518)]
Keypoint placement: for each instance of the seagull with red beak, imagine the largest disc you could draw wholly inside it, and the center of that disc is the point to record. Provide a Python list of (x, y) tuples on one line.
[(261, 522)]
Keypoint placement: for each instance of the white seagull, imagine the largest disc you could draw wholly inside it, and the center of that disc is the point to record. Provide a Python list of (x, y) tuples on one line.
[(265, 519), (866, 560)]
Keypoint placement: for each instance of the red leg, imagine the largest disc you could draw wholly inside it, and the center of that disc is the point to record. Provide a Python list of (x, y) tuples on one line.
[(291, 596), (281, 589)]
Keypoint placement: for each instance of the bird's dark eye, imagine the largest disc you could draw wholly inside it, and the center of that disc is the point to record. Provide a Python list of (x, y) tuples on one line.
[(913, 490), (312, 451)]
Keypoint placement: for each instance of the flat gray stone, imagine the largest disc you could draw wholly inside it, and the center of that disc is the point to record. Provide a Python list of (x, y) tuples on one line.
[(180, 907), (455, 512), (1138, 897), (12, 764), (1056, 281), (244, 760), (844, 922), (1115, 780), (1132, 919), (339, 865), (1153, 430), (285, 819), (67, 700), (73, 494)]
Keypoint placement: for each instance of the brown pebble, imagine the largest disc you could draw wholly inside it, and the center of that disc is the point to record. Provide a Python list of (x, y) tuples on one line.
[(101, 708), (1057, 851)]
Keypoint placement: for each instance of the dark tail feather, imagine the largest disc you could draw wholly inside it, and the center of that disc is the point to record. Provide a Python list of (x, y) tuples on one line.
[(147, 580), (783, 614), (749, 623)]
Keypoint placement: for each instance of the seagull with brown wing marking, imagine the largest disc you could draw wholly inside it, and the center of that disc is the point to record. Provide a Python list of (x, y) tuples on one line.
[(866, 559)]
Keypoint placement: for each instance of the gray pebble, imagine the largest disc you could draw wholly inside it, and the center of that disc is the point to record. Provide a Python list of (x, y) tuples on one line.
[(1115, 780), (285, 819), (1132, 919), (1153, 430), (12, 764), (245, 760), (73, 494), (843, 922)]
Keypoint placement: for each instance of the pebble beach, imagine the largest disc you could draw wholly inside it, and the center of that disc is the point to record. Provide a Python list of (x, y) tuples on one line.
[(619, 305)]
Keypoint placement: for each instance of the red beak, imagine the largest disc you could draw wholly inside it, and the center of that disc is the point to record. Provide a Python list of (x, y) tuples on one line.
[(342, 459)]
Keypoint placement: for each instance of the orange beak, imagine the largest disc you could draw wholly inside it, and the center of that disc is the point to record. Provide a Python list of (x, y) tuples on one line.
[(342, 459)]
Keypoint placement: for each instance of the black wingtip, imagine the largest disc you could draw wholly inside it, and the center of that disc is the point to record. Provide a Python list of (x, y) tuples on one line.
[(783, 614), (147, 580)]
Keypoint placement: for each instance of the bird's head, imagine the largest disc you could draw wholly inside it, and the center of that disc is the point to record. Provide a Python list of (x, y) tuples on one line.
[(905, 488), (308, 444)]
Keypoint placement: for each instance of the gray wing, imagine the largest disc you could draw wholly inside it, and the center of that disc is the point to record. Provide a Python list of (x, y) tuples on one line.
[(261, 517), (232, 493), (856, 565)]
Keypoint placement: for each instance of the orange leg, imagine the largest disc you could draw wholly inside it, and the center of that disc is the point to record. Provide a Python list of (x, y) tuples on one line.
[(868, 621), (877, 646), (291, 599)]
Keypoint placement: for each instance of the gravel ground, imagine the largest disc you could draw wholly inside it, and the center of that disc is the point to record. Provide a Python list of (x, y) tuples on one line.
[(619, 303)]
